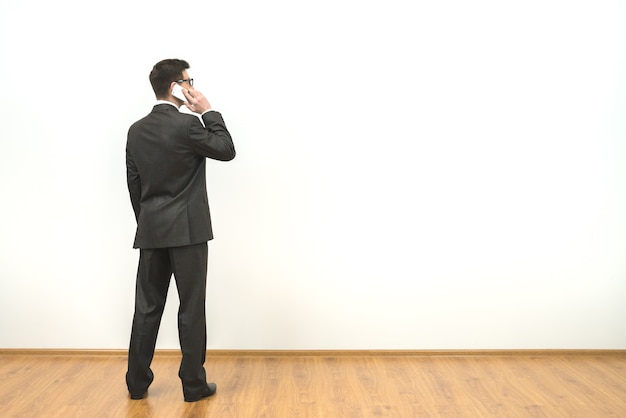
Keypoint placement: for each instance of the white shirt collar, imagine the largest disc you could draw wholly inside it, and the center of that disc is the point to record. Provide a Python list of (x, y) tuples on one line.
[(158, 102)]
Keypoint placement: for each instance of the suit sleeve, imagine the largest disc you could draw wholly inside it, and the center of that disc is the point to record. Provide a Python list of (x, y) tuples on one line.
[(213, 139), (134, 183)]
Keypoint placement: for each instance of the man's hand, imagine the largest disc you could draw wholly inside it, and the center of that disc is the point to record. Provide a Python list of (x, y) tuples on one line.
[(196, 102)]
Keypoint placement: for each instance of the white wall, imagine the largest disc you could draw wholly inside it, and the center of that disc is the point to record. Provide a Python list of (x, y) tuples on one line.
[(410, 174)]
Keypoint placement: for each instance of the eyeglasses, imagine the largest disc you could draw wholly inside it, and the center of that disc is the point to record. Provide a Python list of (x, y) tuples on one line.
[(189, 80)]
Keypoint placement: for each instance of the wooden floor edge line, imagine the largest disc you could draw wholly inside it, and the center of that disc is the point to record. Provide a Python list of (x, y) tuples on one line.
[(323, 353)]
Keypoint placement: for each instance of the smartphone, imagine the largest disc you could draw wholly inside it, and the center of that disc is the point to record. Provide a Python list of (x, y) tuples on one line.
[(177, 92)]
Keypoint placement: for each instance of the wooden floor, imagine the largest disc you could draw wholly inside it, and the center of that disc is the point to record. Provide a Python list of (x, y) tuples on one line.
[(323, 385)]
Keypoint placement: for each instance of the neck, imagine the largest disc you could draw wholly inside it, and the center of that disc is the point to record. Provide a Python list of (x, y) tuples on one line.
[(173, 100)]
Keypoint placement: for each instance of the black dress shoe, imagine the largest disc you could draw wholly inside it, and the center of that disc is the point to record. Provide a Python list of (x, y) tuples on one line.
[(211, 388), (136, 396)]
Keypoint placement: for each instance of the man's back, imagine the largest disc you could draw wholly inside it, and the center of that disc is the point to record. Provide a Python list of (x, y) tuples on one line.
[(166, 159)]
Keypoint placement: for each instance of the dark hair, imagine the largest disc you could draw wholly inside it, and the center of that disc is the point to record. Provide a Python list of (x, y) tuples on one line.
[(164, 72)]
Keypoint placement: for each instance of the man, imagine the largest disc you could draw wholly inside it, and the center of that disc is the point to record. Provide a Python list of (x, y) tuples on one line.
[(166, 156)]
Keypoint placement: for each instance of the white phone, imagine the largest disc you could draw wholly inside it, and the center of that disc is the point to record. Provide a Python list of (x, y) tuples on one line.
[(177, 92)]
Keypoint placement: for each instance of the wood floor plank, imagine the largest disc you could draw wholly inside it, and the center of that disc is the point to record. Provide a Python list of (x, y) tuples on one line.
[(536, 385)]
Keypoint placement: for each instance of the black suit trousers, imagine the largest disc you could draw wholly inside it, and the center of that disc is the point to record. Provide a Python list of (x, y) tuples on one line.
[(156, 266)]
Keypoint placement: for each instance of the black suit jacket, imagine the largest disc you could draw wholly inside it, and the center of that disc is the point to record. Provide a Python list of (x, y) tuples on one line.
[(166, 155)]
